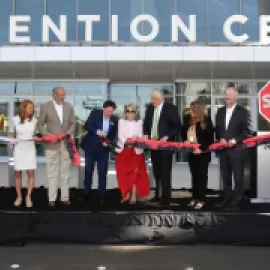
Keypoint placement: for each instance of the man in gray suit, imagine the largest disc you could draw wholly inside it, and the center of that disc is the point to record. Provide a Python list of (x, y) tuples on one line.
[(57, 117)]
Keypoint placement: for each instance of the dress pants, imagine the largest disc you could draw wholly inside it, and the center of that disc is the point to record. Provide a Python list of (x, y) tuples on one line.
[(102, 159), (162, 169), (198, 165), (58, 164), (232, 164)]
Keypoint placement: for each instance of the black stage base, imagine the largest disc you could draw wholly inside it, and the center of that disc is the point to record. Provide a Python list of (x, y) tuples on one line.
[(113, 223)]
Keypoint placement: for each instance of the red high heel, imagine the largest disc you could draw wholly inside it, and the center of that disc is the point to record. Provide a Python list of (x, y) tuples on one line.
[(125, 200), (132, 202)]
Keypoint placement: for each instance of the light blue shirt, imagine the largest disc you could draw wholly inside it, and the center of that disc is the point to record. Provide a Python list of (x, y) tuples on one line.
[(106, 125)]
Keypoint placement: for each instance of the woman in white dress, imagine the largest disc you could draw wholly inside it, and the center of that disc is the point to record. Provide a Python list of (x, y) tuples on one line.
[(24, 154)]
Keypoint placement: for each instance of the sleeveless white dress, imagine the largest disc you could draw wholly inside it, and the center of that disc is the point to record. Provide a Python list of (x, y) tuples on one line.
[(24, 154)]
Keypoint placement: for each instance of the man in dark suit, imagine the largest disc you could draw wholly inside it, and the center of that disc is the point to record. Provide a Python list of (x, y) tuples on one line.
[(101, 128), (233, 125), (162, 122)]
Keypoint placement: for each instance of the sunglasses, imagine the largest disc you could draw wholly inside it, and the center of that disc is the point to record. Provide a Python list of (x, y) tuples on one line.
[(128, 111)]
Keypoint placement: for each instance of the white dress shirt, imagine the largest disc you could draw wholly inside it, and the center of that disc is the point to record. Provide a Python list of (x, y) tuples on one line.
[(229, 112), (59, 110), (159, 108)]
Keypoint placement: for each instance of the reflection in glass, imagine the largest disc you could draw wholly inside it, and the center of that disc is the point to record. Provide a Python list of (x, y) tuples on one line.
[(250, 8), (194, 88), (5, 12), (126, 10), (100, 30), (217, 19), (260, 85), (4, 124), (23, 89), (7, 88), (242, 87), (46, 88), (193, 7), (264, 124), (63, 7), (245, 88), (35, 9), (162, 12), (86, 95)]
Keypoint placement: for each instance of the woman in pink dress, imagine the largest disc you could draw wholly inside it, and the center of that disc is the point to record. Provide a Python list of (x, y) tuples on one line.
[(130, 162)]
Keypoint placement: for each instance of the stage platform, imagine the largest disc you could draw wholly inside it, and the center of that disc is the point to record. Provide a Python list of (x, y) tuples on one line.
[(144, 223)]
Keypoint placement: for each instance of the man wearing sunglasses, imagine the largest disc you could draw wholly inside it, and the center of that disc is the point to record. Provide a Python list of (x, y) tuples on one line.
[(162, 122)]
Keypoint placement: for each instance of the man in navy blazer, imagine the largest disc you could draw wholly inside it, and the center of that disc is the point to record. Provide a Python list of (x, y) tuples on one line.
[(101, 128)]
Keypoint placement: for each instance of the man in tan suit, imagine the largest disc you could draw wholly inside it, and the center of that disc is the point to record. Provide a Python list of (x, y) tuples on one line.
[(57, 117)]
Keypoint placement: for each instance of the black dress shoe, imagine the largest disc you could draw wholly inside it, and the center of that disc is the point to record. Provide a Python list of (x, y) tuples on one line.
[(101, 200), (164, 203), (84, 198), (233, 207), (154, 200), (221, 204)]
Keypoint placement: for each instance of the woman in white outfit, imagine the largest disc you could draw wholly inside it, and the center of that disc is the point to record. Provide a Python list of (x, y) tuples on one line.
[(24, 154)]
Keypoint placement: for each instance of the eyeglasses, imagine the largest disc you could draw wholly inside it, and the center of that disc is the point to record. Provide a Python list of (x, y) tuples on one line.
[(128, 111)]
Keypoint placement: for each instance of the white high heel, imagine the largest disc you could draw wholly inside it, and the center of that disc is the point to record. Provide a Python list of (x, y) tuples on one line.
[(18, 202), (28, 203)]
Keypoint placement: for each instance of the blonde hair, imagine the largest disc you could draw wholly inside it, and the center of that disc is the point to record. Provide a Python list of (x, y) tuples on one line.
[(133, 107)]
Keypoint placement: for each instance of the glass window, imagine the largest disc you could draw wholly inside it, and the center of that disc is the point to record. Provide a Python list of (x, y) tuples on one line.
[(35, 9), (193, 7), (88, 95), (193, 89), (260, 85), (63, 7), (4, 124), (250, 8), (23, 88), (242, 87), (218, 12), (5, 12), (162, 11), (123, 95), (126, 10), (7, 88), (100, 30), (45, 88)]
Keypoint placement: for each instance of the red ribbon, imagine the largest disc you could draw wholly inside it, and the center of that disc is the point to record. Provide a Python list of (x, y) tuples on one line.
[(177, 146)]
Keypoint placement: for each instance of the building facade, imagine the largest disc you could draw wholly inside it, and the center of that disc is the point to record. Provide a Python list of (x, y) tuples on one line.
[(105, 59)]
